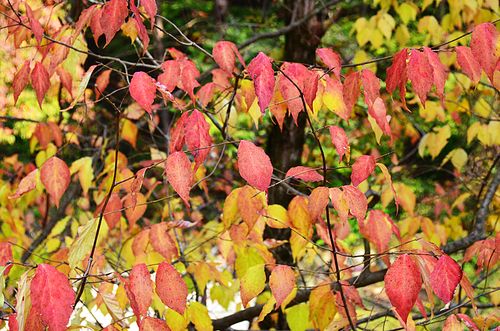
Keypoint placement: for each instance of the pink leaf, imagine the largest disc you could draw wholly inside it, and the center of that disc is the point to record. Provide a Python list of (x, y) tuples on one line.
[(445, 278), (468, 63), (281, 282), (151, 9), (254, 165), (340, 141), (305, 173), (362, 168), (198, 136), (170, 77), (379, 113), (179, 174), (261, 71), (143, 90), (420, 74), (142, 287), (484, 44), (331, 59), (223, 53), (402, 284)]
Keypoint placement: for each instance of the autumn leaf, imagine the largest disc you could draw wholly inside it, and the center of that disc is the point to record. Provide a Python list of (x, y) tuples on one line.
[(484, 45), (362, 168), (6, 257), (143, 89), (468, 322), (153, 324), (469, 64), (55, 177), (53, 296), (318, 200), (378, 230), (171, 288), (112, 17), (81, 87), (331, 59), (387, 176), (341, 142), (35, 25), (83, 244), (198, 137), (438, 72), (305, 173), (198, 314), (351, 90), (142, 287), (112, 213), (250, 204), (402, 284), (397, 74), (27, 184), (262, 73), (101, 82), (252, 283), (281, 282), (21, 79), (171, 74), (223, 53), (420, 74), (445, 278), (254, 165), (188, 76), (179, 174), (141, 29), (452, 324), (178, 134), (40, 82), (371, 86), (83, 20), (162, 242)]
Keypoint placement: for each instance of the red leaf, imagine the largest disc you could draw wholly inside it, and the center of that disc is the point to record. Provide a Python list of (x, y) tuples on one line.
[(249, 206), (83, 20), (112, 218), (340, 141), (142, 287), (468, 289), (136, 185), (66, 79), (318, 200), (55, 177), (371, 86), (378, 230), (198, 136), (101, 83), (141, 29), (397, 74), (305, 173), (5, 257), (468, 322), (484, 44), (331, 59), (333, 97), (206, 93), (153, 324), (438, 72), (445, 278), (95, 24), (468, 63), (21, 79), (420, 74), (162, 242), (379, 113), (262, 73), (223, 53), (59, 53), (254, 165), (131, 297), (281, 282), (351, 90), (452, 324), (188, 81), (171, 288), (52, 296), (178, 134), (151, 9), (355, 201), (36, 27), (112, 17), (170, 76), (43, 134), (143, 90), (362, 168), (402, 284), (40, 82), (27, 184), (179, 174), (56, 133)]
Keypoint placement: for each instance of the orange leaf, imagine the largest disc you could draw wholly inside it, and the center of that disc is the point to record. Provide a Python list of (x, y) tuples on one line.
[(112, 214), (377, 229), (179, 174), (142, 287), (52, 296), (83, 20), (282, 282), (250, 205), (21, 79), (27, 184), (134, 214), (468, 289), (362, 168), (136, 185), (112, 17), (101, 82), (402, 284), (56, 133), (452, 324), (40, 82), (162, 242), (55, 177), (318, 200), (153, 324), (171, 288), (254, 165)]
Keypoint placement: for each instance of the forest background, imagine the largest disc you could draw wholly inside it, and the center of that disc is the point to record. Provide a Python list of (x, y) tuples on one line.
[(299, 164)]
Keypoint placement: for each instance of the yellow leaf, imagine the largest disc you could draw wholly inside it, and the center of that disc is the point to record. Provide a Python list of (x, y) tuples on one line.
[(402, 35), (130, 30), (175, 321), (198, 314), (277, 217), (494, 130), (255, 112), (375, 128), (406, 196), (436, 142), (472, 131), (407, 12), (458, 158), (482, 107), (252, 283), (268, 307), (484, 135), (129, 132), (360, 57), (386, 24), (426, 3), (377, 38), (298, 317), (83, 244), (247, 258)]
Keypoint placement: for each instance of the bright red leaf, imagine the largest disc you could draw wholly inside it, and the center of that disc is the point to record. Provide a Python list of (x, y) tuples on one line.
[(362, 168), (101, 83), (27, 184), (179, 174), (143, 90), (469, 322), (351, 90), (112, 213), (402, 284), (445, 278), (5, 256), (281, 282), (178, 134), (397, 74), (142, 287), (83, 20), (171, 288), (223, 53), (40, 82), (379, 113), (141, 29), (21, 79), (254, 165), (468, 63), (53, 296), (340, 141), (95, 24), (35, 25), (420, 74), (438, 72), (55, 177), (484, 45), (171, 74), (262, 73), (131, 297), (198, 136), (305, 173), (112, 17), (331, 59), (371, 86)]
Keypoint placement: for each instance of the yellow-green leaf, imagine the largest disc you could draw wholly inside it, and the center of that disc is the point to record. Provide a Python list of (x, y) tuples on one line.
[(83, 244), (252, 283), (297, 317), (198, 314)]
